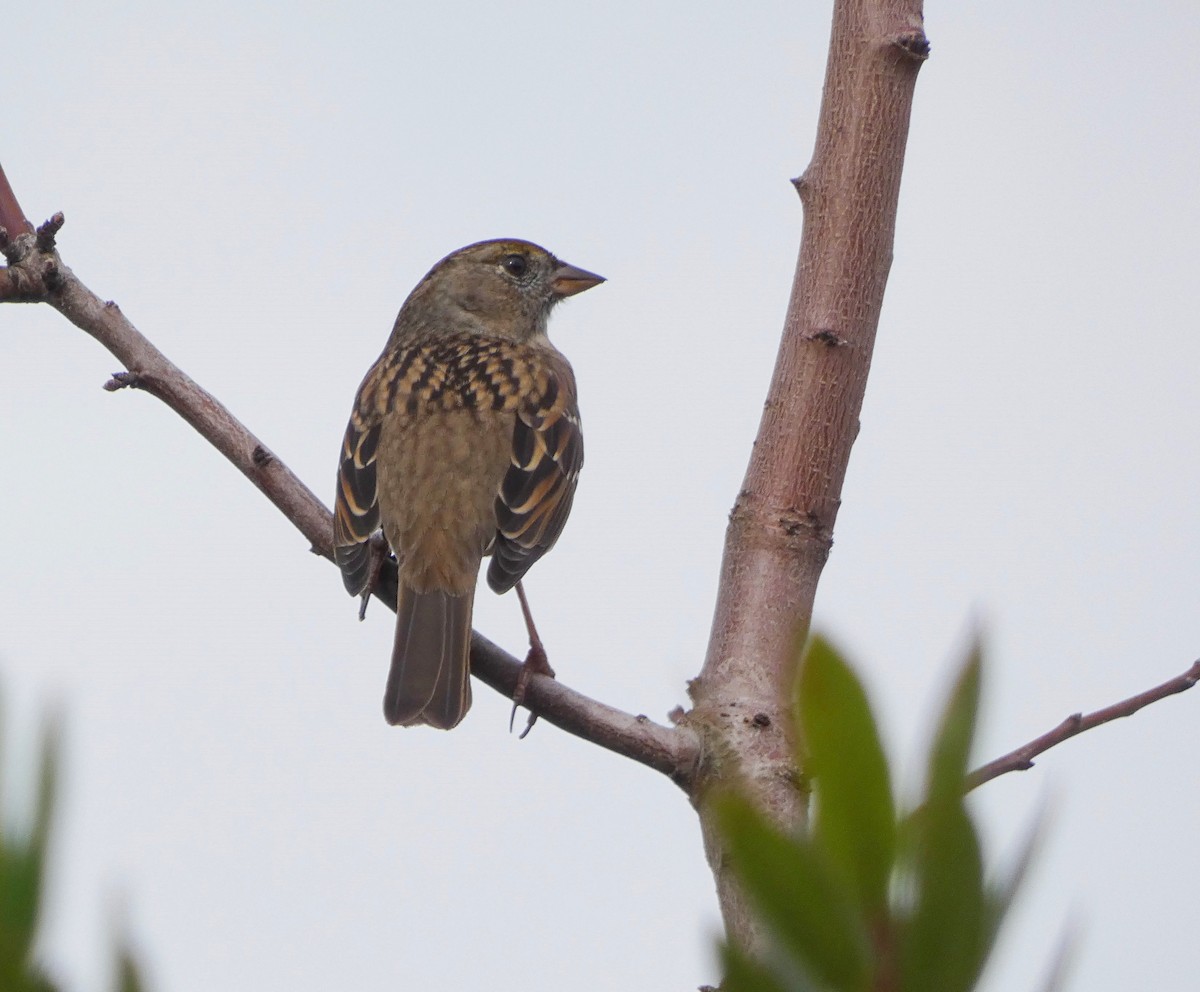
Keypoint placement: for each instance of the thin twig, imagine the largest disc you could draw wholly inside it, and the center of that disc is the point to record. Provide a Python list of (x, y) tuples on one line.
[(1022, 758), (35, 267), (670, 750)]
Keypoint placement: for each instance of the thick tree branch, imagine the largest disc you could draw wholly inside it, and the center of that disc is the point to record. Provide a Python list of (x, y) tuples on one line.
[(1022, 758), (781, 528), (12, 217), (39, 274)]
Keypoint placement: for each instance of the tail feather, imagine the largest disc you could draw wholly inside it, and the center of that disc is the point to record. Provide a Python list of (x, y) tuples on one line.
[(429, 680)]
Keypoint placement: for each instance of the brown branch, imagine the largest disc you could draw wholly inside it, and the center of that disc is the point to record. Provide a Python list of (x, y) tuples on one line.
[(781, 528), (15, 285), (35, 266), (1022, 758), (670, 750), (12, 217)]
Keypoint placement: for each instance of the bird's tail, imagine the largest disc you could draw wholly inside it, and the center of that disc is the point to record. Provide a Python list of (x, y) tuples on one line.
[(429, 680)]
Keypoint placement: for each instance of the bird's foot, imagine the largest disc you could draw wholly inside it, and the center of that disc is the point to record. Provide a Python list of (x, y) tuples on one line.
[(536, 663)]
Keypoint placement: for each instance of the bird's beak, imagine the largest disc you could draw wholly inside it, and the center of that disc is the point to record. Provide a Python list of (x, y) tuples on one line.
[(568, 280)]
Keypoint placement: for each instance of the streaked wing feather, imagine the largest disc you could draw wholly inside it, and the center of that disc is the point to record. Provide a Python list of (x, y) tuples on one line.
[(356, 506), (536, 493)]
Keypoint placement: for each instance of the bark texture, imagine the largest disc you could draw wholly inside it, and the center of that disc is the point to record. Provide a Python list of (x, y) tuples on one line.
[(781, 528)]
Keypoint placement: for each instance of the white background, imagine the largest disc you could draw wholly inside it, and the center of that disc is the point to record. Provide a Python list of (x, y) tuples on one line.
[(259, 186)]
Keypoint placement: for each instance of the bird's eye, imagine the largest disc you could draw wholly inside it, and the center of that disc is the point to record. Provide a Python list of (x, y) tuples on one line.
[(515, 265)]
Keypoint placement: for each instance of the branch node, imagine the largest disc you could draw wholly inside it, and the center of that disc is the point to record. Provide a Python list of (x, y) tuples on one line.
[(807, 525), (913, 43), (17, 286), (261, 456), (15, 249), (47, 230), (827, 336), (52, 277), (123, 380)]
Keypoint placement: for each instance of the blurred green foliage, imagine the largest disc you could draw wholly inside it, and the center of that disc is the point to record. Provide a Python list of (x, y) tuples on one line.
[(22, 873), (868, 899)]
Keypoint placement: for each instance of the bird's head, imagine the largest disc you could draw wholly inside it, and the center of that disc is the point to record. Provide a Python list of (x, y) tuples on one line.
[(505, 287)]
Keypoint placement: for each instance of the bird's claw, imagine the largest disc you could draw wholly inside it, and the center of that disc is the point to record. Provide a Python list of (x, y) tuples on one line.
[(380, 552), (536, 663)]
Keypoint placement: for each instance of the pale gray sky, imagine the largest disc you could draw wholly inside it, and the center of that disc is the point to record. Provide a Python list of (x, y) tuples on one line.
[(260, 185)]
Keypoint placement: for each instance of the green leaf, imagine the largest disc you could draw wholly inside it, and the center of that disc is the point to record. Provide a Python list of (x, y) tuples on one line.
[(128, 977), (855, 811), (945, 942), (951, 749), (20, 895), (946, 938), (22, 869), (47, 788), (810, 909), (22, 864), (1062, 962)]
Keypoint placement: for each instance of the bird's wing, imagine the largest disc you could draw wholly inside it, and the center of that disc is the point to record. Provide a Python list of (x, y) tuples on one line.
[(535, 496), (356, 507)]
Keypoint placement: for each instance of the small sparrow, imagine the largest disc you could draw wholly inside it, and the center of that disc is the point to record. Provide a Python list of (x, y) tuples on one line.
[(464, 441)]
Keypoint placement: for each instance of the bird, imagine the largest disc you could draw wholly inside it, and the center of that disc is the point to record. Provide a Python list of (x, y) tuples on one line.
[(464, 441)]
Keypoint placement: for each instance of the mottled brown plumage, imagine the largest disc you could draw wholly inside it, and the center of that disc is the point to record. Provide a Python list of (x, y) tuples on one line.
[(464, 441)]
